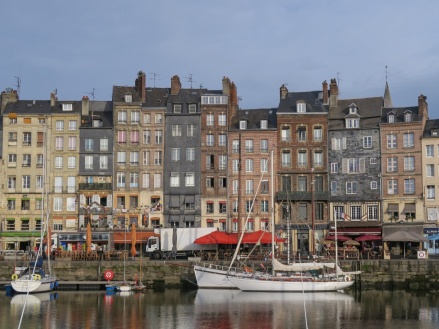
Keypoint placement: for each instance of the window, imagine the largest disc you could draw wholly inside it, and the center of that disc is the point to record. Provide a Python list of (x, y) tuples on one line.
[(145, 180), (319, 211), (264, 124), (392, 186), (286, 158), (235, 165), (317, 133), (26, 160), (249, 165), (120, 202), (158, 158), (407, 117), (333, 187), (334, 168), (249, 187), (302, 159), (209, 207), (210, 119), (301, 107), (222, 140), (223, 182), (210, 182), (26, 181), (147, 118), (373, 161), (249, 206), (122, 117), (12, 182), (175, 154), (430, 170), (409, 163), (352, 123), (367, 142), (12, 121), (235, 187), (302, 184), (11, 204), (285, 134), (409, 186), (429, 151), (286, 183), (158, 137), (190, 154), (72, 143), (71, 162), (351, 187), (301, 134), (190, 130), (134, 137), (134, 158), (158, 118), (355, 213), (57, 204), (59, 143), (70, 204), (59, 125), (372, 212), (177, 108), (175, 179), (128, 98), (38, 204), (121, 157), (222, 162), (12, 159), (264, 146), (89, 144), (242, 124), (146, 158), (392, 164), (103, 144), (235, 146), (134, 180), (264, 165), (176, 130), (318, 159), (430, 192), (147, 137), (210, 161), (222, 119), (58, 162), (409, 139), (157, 181), (192, 108), (135, 117), (120, 176), (58, 184), (210, 140), (189, 179), (122, 136), (264, 187), (25, 204), (264, 206), (88, 162), (302, 211), (103, 162), (338, 143), (391, 118), (373, 185)]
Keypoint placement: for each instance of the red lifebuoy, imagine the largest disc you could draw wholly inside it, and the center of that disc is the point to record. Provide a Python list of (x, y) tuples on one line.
[(108, 275)]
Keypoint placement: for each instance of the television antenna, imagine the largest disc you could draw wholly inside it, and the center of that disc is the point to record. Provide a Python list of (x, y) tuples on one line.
[(91, 105), (189, 79), (154, 77), (18, 85)]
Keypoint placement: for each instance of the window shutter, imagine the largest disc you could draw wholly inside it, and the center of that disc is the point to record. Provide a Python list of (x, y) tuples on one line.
[(362, 165), (333, 143), (344, 166), (344, 142)]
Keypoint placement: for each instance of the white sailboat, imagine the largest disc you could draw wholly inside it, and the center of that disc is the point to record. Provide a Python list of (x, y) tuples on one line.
[(124, 286), (33, 279), (302, 279)]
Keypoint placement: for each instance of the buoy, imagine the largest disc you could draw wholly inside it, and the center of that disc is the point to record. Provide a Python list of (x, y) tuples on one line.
[(14, 277), (108, 275)]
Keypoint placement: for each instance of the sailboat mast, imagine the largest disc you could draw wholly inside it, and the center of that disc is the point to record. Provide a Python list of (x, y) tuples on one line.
[(336, 246), (313, 225), (272, 212), (45, 204)]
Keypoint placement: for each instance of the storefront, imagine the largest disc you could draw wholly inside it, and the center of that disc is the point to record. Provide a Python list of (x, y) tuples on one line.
[(76, 240)]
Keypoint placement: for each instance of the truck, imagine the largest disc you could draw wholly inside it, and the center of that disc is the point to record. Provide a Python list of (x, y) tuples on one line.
[(160, 247)]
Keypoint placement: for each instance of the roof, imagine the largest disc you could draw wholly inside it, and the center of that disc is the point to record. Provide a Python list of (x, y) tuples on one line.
[(28, 107), (399, 114), (254, 117), (156, 97), (119, 93), (101, 110), (313, 100), (431, 128)]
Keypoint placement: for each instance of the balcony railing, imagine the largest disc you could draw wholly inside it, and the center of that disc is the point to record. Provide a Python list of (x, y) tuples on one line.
[(95, 186)]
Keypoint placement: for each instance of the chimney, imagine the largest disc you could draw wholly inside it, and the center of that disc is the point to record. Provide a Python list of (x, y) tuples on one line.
[(422, 105), (8, 96), (85, 106), (141, 85), (283, 92), (52, 99), (325, 92), (175, 85), (333, 93), (226, 86)]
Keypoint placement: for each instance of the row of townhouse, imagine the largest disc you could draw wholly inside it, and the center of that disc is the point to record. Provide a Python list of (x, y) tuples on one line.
[(192, 158)]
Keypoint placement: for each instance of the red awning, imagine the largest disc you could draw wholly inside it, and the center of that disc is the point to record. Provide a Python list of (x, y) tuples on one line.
[(339, 237), (218, 237), (260, 236)]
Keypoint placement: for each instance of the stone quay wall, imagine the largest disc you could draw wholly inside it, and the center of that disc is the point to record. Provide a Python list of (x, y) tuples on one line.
[(375, 274)]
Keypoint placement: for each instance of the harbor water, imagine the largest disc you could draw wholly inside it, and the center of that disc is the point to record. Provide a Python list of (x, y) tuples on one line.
[(220, 309)]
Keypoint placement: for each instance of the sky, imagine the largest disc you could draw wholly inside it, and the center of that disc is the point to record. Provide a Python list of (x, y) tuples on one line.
[(85, 47)]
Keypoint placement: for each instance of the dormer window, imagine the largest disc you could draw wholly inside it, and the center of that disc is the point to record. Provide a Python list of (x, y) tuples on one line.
[(391, 118), (408, 117), (353, 109), (177, 108), (301, 107), (67, 107), (243, 124), (352, 123), (434, 132), (192, 108), (264, 124), (128, 98)]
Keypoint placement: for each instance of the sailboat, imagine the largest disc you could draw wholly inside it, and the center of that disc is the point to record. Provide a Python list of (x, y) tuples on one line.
[(124, 286), (305, 277), (33, 278)]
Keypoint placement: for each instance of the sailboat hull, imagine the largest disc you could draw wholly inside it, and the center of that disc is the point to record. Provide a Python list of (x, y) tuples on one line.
[(25, 285), (211, 276), (287, 285)]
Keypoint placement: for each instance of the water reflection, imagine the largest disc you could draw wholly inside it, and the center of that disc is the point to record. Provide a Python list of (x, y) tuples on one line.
[(221, 309)]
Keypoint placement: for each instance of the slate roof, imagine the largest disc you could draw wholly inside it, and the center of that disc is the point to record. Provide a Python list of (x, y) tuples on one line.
[(369, 112), (431, 128), (28, 107), (313, 100), (102, 110), (187, 96), (156, 97), (254, 117), (399, 114), (120, 91)]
